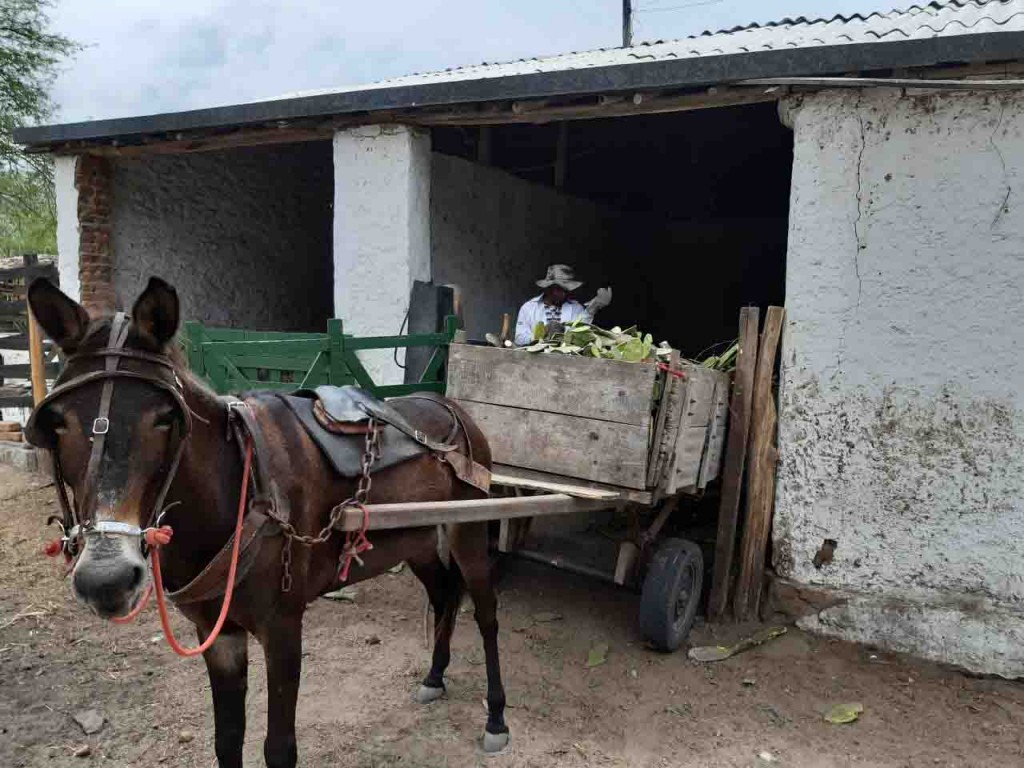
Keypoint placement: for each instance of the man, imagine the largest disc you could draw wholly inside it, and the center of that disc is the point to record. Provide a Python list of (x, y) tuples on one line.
[(556, 307)]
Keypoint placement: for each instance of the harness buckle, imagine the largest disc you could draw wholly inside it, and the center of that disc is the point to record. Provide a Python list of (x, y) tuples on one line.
[(101, 426)]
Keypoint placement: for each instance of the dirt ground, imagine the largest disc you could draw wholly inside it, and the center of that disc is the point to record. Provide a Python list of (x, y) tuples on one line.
[(363, 659)]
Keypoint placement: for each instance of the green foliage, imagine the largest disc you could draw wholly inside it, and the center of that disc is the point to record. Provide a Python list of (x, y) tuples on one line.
[(579, 338), (29, 56)]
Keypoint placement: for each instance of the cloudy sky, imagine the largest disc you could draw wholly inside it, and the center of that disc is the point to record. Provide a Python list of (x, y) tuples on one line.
[(149, 56)]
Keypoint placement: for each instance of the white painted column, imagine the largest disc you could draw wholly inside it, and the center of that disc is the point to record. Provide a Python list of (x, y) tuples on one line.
[(381, 232), (67, 224)]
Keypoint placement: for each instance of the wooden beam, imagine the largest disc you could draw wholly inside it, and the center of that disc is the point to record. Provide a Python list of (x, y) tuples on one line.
[(544, 111), (735, 461), (761, 473), (36, 362), (416, 514)]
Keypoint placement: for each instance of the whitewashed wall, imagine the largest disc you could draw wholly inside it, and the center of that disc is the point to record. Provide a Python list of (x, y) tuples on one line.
[(244, 235), (901, 424)]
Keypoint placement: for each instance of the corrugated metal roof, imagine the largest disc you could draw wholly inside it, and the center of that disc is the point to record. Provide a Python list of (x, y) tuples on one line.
[(924, 35), (931, 20)]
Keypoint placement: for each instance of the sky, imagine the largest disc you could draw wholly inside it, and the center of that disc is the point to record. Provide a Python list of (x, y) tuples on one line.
[(151, 56)]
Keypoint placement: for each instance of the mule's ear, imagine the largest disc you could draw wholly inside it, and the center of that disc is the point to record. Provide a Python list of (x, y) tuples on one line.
[(155, 314), (64, 319)]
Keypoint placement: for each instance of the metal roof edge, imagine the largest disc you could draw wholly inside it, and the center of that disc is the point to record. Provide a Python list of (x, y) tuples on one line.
[(637, 76)]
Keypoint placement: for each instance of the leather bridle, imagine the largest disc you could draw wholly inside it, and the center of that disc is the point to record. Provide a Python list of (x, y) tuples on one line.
[(79, 518)]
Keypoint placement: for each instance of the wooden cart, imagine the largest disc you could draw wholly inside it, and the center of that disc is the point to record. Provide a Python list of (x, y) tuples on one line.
[(586, 435)]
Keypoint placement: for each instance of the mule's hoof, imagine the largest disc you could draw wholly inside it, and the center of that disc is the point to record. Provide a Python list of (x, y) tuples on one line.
[(495, 742), (426, 694)]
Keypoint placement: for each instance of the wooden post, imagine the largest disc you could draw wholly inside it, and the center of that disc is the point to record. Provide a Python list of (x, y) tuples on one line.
[(735, 460), (627, 23), (35, 340), (761, 473)]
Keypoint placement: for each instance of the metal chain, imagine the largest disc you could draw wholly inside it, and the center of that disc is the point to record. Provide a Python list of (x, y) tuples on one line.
[(371, 453)]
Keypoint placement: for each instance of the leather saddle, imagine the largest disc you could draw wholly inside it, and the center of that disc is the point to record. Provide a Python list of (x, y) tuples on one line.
[(338, 418)]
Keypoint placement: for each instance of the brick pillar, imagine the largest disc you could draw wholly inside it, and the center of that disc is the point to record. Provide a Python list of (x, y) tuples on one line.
[(95, 256)]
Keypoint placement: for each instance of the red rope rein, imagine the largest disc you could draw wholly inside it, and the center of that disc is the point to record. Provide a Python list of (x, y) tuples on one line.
[(157, 537)]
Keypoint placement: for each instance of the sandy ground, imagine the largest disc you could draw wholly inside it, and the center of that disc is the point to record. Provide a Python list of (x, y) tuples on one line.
[(364, 659)]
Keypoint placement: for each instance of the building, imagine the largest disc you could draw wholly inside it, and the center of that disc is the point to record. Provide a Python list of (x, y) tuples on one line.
[(864, 170)]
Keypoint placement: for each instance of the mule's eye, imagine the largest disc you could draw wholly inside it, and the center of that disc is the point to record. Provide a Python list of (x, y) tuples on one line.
[(164, 419)]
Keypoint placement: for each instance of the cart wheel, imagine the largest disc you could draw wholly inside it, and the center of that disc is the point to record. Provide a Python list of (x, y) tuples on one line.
[(671, 593)]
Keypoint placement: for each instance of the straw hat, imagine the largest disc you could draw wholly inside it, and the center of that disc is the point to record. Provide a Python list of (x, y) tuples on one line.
[(561, 275)]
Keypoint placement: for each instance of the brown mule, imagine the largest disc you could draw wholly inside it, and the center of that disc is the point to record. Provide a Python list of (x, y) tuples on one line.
[(163, 442)]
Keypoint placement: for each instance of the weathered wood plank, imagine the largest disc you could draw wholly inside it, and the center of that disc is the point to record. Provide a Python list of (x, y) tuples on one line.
[(12, 308), (24, 371), (735, 462), (761, 473), (609, 390), (19, 342), (656, 460), (689, 452), (699, 396), (521, 473), (711, 464), (603, 451), (424, 513), (580, 491)]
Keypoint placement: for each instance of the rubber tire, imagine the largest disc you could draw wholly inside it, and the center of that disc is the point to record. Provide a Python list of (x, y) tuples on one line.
[(676, 562)]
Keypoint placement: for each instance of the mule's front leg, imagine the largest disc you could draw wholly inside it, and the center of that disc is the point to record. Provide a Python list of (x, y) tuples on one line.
[(282, 646), (227, 663)]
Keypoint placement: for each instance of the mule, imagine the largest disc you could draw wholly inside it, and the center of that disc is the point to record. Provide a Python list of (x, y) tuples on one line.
[(166, 459)]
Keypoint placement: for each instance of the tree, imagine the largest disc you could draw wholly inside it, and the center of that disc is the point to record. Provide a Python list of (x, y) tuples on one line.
[(29, 55)]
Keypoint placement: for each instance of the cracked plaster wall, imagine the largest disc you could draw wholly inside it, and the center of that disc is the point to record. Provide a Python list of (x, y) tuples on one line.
[(901, 423)]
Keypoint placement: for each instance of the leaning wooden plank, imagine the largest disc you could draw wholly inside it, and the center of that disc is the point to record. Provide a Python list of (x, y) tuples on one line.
[(761, 473), (579, 491), (423, 513), (735, 461), (523, 474), (610, 390), (603, 451)]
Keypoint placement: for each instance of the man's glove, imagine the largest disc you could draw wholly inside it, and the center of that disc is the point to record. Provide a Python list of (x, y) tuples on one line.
[(554, 327), (600, 301)]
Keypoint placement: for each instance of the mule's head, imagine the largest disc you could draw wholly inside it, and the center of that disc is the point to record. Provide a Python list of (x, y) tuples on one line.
[(116, 468)]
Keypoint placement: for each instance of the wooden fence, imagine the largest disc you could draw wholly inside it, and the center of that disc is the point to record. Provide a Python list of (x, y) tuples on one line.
[(20, 384)]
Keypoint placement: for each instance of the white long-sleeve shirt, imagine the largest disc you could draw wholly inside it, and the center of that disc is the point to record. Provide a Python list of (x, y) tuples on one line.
[(536, 311)]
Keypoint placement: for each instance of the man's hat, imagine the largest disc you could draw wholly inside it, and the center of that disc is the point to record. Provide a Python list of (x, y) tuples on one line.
[(561, 275)]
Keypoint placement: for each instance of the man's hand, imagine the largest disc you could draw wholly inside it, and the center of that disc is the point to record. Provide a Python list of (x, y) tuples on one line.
[(600, 301)]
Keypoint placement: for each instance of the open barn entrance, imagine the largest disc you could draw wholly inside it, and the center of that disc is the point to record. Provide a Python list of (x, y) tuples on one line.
[(683, 214)]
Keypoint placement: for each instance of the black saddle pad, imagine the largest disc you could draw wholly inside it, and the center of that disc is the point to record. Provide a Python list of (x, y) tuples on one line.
[(345, 452)]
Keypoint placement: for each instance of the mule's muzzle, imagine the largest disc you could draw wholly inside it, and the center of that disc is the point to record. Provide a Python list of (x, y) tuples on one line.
[(108, 579)]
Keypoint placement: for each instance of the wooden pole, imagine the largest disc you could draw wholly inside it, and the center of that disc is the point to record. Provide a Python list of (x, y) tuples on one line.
[(760, 472), (35, 341), (735, 461), (627, 23)]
